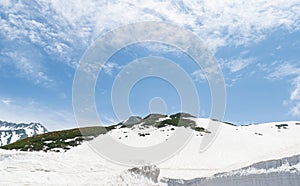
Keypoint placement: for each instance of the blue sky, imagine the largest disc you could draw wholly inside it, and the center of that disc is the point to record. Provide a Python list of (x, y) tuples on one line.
[(257, 45)]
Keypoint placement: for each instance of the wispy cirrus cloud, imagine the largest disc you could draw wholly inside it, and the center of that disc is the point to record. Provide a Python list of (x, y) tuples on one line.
[(198, 76), (236, 64), (290, 70), (30, 68), (295, 110), (232, 67), (109, 67), (295, 96), (6, 101), (16, 110), (65, 31), (279, 70)]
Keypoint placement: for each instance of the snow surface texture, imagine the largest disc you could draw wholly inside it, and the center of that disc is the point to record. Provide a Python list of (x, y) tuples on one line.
[(79, 166), (12, 132), (280, 172), (235, 148)]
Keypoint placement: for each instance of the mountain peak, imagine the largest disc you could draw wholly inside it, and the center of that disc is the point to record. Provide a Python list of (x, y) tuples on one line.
[(11, 132), (132, 120), (154, 116), (160, 120), (182, 115)]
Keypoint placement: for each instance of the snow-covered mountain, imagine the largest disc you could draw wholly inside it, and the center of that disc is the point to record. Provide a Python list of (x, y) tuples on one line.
[(268, 153), (12, 132), (235, 147)]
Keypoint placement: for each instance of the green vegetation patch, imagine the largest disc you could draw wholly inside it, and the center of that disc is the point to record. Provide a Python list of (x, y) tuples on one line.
[(58, 139), (178, 121)]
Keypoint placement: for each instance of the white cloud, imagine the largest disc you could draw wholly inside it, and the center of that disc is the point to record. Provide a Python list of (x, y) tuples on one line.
[(6, 101), (93, 69), (295, 110), (207, 72), (236, 65), (295, 96), (218, 23), (198, 76), (65, 31), (5, 3), (296, 92), (292, 71), (159, 48), (28, 67), (282, 69), (109, 67), (232, 68)]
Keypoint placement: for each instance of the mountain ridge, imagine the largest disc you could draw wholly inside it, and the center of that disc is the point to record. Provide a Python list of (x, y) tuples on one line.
[(64, 140), (12, 132), (236, 149)]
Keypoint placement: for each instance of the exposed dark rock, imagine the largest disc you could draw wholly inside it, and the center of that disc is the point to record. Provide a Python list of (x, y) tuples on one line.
[(132, 120), (284, 126), (151, 172), (182, 115)]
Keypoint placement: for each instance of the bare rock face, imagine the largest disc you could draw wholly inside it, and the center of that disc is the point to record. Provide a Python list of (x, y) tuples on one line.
[(132, 120), (151, 172)]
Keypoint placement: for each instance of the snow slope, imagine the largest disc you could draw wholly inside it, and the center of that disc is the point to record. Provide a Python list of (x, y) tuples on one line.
[(79, 166), (235, 147), (285, 171)]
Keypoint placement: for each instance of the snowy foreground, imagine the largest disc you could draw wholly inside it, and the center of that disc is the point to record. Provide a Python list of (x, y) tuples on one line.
[(240, 155)]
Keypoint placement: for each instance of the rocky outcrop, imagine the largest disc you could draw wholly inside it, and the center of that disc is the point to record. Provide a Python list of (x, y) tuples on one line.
[(149, 172)]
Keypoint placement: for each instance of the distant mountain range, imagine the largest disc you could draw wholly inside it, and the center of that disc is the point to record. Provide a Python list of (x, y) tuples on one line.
[(12, 132), (257, 154)]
